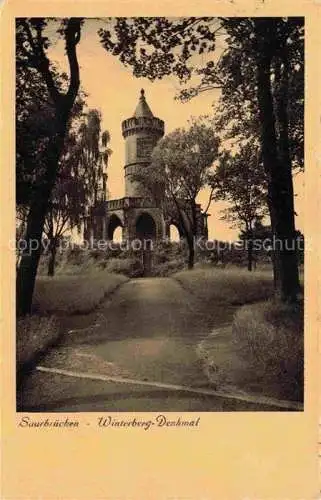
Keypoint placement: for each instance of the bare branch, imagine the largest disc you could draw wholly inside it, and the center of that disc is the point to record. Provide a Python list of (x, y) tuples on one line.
[(43, 65), (209, 201)]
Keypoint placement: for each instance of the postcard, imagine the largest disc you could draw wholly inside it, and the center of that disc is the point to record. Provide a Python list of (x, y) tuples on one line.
[(160, 250)]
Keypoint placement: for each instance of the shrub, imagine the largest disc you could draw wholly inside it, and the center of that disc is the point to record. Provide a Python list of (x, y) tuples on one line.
[(128, 267), (168, 268), (270, 337)]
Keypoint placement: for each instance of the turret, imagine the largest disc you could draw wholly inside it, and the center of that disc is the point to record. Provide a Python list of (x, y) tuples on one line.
[(141, 133)]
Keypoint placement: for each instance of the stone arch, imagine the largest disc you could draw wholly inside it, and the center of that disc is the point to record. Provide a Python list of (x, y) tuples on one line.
[(113, 223), (145, 227), (179, 231), (174, 232), (118, 235)]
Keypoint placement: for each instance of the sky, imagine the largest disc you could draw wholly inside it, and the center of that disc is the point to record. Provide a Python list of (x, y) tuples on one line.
[(113, 90)]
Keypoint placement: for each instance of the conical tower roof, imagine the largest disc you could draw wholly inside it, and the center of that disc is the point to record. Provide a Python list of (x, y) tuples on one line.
[(143, 120), (142, 109)]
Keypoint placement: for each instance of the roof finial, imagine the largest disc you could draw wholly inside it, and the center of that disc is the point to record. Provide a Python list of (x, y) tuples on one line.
[(142, 109)]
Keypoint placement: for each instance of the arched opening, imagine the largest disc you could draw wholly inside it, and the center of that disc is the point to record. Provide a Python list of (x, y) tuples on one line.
[(118, 234), (115, 228), (146, 233), (145, 227), (174, 234)]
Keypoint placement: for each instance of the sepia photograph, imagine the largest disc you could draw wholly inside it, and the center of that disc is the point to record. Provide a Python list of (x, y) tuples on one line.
[(159, 215)]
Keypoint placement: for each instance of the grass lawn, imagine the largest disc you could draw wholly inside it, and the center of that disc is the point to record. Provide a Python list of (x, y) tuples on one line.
[(73, 294), (262, 349), (234, 286), (60, 295)]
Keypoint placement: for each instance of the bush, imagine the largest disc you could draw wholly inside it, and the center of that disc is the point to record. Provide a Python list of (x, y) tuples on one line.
[(270, 337), (168, 268), (129, 267), (34, 334), (74, 294), (168, 258)]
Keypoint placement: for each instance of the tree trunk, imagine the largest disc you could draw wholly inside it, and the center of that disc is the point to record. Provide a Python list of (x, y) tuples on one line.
[(250, 254), (275, 253), (191, 238), (187, 229), (52, 257), (191, 252), (289, 269), (277, 168), (27, 271)]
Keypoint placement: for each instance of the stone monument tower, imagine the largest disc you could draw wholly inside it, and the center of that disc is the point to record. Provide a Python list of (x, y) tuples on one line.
[(141, 133), (137, 214)]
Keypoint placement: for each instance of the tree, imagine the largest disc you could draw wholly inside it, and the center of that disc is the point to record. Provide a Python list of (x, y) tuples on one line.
[(239, 180), (180, 168), (81, 181), (91, 161), (33, 44), (93, 155), (65, 211), (252, 108), (34, 115), (271, 43), (261, 245), (257, 51)]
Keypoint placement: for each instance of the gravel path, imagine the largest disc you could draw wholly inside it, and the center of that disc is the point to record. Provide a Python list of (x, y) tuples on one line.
[(149, 330)]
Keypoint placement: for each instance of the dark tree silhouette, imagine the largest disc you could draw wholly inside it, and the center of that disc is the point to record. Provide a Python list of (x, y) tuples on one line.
[(32, 45)]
